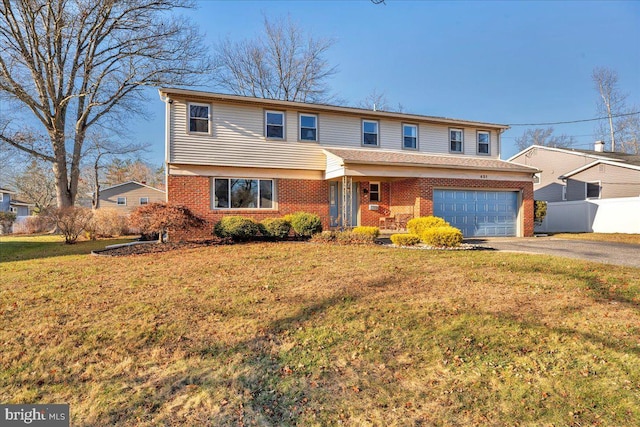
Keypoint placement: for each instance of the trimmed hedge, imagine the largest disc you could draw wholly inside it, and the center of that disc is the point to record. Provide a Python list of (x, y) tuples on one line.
[(237, 228), (420, 224), (275, 228), (442, 237), (344, 238), (367, 231), (405, 239), (305, 224)]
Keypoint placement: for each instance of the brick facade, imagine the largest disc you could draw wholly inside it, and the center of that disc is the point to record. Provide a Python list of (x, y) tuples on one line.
[(412, 195)]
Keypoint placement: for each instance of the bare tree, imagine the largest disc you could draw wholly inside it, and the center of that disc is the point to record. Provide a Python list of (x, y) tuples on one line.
[(622, 123), (378, 101), (37, 184), (544, 137), (283, 63), (70, 65)]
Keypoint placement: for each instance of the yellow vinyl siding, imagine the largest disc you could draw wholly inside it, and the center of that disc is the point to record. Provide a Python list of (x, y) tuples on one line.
[(133, 192)]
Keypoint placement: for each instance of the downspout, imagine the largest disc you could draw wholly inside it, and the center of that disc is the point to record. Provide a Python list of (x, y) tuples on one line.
[(499, 133), (167, 139)]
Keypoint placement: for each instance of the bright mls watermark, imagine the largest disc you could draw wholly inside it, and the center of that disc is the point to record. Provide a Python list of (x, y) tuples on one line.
[(54, 415)]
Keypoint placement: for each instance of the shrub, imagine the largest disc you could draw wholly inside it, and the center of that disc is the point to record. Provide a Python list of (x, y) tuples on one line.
[(367, 231), (324, 237), (275, 228), (70, 221), (237, 228), (420, 224), (405, 239), (444, 237), (352, 238), (36, 224), (160, 217), (6, 221), (305, 224), (540, 211), (107, 223)]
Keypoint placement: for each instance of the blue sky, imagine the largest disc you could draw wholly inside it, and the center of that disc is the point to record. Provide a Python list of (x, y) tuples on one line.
[(503, 62)]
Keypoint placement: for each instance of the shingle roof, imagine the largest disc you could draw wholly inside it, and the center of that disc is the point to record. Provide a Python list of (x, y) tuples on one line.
[(632, 159), (382, 157)]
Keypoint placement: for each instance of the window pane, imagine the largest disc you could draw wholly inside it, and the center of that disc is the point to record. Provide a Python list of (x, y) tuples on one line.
[(483, 148), (483, 138), (456, 135), (275, 131), (308, 121), (244, 193), (198, 125), (222, 193), (409, 142), (308, 134), (593, 190), (370, 139), (200, 111), (266, 194), (456, 146), (275, 119), (370, 127), (410, 131)]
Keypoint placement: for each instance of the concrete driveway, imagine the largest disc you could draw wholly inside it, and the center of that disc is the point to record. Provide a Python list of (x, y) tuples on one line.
[(605, 252)]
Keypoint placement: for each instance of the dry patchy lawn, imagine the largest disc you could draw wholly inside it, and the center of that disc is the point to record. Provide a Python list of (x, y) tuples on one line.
[(633, 239), (308, 334)]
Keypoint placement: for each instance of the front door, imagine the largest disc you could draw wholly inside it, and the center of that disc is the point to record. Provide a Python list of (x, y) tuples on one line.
[(335, 204)]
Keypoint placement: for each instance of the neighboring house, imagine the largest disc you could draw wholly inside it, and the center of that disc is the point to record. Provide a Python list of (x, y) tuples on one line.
[(235, 155), (571, 174), (8, 203), (127, 196)]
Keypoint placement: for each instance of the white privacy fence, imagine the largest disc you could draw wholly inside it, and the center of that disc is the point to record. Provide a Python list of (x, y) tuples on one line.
[(598, 216)]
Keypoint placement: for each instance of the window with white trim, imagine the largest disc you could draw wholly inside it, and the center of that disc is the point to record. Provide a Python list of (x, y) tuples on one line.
[(144, 201), (484, 142), (455, 140), (199, 118), (374, 191), (410, 137), (243, 193), (370, 132), (308, 127), (122, 201), (274, 124), (593, 189)]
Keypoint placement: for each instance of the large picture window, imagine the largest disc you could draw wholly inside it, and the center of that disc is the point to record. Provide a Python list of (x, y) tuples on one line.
[(199, 118), (243, 193)]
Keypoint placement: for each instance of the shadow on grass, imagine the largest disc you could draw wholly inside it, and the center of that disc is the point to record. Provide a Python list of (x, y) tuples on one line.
[(23, 250)]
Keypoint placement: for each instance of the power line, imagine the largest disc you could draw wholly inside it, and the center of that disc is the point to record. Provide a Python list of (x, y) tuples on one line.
[(573, 121)]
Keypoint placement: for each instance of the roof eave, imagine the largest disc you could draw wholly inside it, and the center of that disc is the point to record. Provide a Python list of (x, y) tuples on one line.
[(439, 166)]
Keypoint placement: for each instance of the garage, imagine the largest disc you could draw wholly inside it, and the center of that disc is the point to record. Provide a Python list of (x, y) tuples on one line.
[(478, 213)]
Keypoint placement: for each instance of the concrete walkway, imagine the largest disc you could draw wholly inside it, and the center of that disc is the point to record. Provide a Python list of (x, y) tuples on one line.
[(605, 252)]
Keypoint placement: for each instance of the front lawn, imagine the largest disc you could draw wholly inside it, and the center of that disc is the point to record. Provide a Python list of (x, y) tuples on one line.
[(311, 334), (633, 239)]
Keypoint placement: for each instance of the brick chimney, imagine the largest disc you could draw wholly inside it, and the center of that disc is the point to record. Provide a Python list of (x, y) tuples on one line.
[(599, 146)]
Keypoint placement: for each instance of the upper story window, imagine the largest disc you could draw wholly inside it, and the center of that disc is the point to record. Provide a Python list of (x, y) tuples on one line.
[(244, 193), (274, 124), (455, 140), (374, 191), (593, 190), (370, 132), (122, 201), (308, 127), (410, 137), (484, 142), (199, 118), (144, 200)]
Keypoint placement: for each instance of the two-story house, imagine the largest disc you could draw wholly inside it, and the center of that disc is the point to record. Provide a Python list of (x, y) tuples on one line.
[(235, 155), (128, 196), (8, 203)]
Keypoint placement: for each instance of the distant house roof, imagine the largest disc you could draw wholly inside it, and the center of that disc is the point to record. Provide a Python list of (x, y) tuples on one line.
[(632, 159), (20, 203), (133, 182), (5, 190), (598, 162), (382, 157)]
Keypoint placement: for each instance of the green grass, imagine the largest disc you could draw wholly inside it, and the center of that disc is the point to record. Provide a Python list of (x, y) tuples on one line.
[(18, 248), (311, 334)]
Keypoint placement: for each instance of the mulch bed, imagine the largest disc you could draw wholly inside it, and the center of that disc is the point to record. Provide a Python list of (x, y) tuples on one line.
[(154, 248)]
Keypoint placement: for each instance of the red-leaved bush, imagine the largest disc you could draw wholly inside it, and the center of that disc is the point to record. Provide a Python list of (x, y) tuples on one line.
[(160, 217)]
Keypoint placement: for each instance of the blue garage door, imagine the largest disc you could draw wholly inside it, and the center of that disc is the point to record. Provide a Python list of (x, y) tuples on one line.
[(478, 213)]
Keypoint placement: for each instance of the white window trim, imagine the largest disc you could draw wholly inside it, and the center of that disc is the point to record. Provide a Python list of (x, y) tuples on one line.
[(363, 132), (300, 127), (118, 201), (284, 126), (599, 190), (417, 147), (488, 133), (274, 196), (461, 140), (564, 192), (198, 104), (379, 191), (140, 201)]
